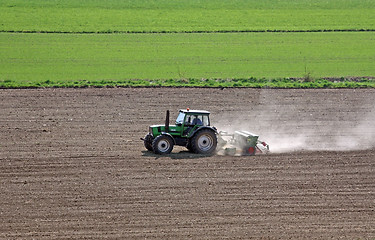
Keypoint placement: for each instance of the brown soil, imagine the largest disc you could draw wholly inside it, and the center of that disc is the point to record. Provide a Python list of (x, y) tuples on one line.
[(73, 166)]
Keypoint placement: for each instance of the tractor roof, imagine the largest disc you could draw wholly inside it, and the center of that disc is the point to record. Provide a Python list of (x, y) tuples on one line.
[(188, 111)]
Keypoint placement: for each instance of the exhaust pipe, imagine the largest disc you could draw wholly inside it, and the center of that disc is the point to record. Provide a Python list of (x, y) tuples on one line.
[(167, 122)]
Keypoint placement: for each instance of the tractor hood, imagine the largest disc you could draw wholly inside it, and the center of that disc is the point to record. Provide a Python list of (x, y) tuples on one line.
[(157, 129)]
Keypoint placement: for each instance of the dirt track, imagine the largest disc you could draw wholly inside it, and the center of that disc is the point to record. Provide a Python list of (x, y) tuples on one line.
[(72, 166)]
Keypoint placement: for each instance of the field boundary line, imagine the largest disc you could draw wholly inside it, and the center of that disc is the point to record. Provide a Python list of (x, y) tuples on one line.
[(203, 31)]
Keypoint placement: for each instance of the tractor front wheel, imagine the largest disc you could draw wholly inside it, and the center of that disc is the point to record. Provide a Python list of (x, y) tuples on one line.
[(148, 141), (204, 142), (162, 144)]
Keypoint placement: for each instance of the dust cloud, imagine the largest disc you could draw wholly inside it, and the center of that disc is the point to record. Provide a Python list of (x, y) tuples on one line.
[(301, 120)]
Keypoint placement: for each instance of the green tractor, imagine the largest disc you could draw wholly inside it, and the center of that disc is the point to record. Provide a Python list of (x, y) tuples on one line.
[(191, 130)]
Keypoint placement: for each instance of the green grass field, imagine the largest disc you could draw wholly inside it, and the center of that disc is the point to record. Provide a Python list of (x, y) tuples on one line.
[(179, 56), (157, 40), (185, 15)]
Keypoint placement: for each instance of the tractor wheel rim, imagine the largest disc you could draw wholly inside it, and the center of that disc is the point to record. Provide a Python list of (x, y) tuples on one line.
[(205, 142), (163, 145)]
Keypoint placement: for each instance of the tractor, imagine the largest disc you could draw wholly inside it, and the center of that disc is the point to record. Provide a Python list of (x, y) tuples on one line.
[(191, 130)]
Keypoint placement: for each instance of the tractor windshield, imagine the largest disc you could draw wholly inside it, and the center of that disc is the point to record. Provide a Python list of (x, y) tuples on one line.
[(180, 118)]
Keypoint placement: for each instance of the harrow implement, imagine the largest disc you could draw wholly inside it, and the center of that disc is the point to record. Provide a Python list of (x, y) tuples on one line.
[(241, 143)]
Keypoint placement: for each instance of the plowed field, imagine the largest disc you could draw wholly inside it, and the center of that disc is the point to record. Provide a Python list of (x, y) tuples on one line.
[(72, 166)]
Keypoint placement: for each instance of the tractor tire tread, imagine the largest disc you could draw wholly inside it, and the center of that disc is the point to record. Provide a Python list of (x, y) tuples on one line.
[(158, 139), (195, 142)]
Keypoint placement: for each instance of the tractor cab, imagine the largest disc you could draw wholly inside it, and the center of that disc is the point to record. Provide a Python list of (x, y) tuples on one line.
[(190, 120), (193, 118)]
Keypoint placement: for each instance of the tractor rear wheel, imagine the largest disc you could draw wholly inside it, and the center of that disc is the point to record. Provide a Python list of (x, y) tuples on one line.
[(162, 144), (189, 147), (148, 141), (204, 142)]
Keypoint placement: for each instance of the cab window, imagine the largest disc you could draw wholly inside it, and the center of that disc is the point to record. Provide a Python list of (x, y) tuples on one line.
[(201, 120), (180, 118), (206, 121), (197, 120)]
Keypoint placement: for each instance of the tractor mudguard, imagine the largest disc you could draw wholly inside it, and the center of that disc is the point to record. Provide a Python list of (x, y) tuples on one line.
[(201, 128), (165, 133)]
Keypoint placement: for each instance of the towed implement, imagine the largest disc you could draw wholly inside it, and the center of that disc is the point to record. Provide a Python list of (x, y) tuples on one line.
[(192, 130), (241, 143)]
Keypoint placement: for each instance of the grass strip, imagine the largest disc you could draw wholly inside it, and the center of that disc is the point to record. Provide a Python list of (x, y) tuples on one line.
[(307, 82), (218, 31)]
